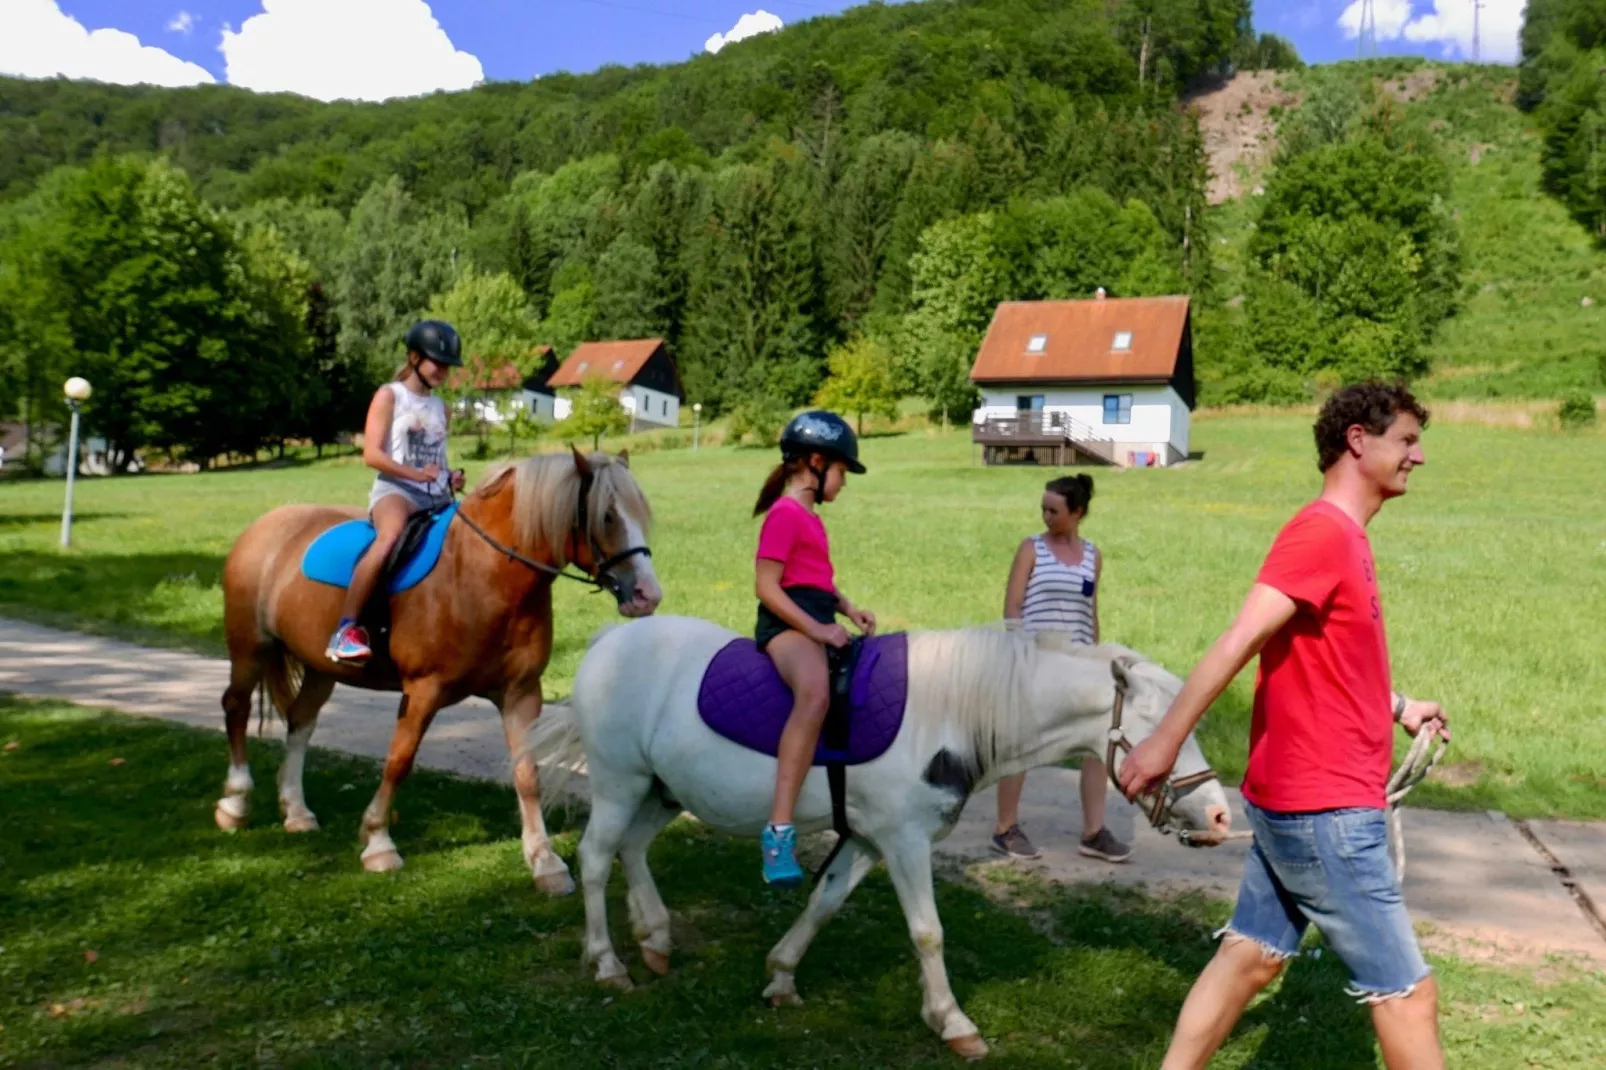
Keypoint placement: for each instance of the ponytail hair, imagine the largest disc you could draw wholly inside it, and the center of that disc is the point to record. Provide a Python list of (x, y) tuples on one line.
[(1077, 491), (775, 483)]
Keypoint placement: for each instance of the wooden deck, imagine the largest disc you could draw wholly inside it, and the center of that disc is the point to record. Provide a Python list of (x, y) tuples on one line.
[(1040, 438)]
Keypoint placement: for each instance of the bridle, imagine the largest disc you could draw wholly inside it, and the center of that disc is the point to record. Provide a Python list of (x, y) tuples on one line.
[(601, 576), (1158, 806)]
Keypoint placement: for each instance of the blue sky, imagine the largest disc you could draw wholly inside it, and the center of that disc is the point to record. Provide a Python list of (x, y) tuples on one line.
[(376, 48)]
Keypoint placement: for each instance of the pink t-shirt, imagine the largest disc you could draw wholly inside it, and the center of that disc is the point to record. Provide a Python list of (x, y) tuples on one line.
[(795, 537)]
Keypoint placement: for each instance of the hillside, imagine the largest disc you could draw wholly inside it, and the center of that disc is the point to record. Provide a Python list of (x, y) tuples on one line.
[(1531, 319)]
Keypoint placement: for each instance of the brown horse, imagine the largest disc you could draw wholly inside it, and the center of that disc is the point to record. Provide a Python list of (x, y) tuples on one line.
[(479, 624)]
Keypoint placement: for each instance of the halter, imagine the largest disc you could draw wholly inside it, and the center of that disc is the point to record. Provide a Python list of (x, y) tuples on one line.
[(601, 577), (1160, 804)]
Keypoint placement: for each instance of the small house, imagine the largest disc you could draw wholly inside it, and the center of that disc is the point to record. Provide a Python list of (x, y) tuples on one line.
[(496, 392), (642, 369), (1104, 381)]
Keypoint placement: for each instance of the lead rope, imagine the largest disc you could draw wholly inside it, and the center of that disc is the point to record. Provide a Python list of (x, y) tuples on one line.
[(1419, 762)]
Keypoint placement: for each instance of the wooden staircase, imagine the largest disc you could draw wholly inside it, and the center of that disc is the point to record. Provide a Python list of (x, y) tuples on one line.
[(1036, 437)]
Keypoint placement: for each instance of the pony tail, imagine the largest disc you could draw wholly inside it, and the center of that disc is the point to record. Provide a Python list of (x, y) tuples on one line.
[(774, 486)]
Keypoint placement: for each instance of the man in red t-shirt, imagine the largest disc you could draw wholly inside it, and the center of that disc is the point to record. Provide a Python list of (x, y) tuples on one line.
[(1320, 744)]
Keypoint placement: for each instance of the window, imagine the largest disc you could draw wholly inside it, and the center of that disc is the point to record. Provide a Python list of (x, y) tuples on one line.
[(666, 406), (1123, 341), (1029, 403), (1037, 344), (1117, 408)]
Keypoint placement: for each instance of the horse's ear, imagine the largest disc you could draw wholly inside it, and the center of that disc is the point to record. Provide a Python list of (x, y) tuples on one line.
[(624, 457), (1121, 668), (581, 463)]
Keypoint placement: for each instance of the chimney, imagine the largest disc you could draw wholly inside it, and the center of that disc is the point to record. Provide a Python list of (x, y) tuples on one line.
[(1098, 295)]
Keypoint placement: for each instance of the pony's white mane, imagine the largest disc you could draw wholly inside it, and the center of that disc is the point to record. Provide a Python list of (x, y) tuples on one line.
[(977, 684), (546, 494)]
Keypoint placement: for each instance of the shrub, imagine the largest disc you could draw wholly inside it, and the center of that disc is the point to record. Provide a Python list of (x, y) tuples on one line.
[(1577, 409)]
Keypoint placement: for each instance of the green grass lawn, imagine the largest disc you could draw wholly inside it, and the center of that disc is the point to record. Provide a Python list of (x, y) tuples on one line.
[(132, 933), (1493, 568)]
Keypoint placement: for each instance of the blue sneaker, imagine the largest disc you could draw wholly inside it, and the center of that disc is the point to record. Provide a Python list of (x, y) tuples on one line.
[(349, 644), (780, 857)]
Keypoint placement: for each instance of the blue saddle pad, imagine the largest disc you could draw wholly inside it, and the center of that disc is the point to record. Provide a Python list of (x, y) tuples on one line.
[(333, 555), (745, 700)]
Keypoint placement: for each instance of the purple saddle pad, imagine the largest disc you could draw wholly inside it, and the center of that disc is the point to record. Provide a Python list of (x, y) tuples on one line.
[(745, 700)]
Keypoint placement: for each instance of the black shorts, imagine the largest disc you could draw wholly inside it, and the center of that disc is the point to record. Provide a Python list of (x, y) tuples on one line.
[(821, 605)]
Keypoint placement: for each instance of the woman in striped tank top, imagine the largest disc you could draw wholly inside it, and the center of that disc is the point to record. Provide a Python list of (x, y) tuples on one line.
[(1053, 586)]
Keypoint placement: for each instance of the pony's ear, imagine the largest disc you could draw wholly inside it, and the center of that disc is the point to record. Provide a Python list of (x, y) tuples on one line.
[(581, 463), (1121, 669), (624, 457)]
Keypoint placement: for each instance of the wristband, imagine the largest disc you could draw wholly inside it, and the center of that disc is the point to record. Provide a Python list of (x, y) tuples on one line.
[(1399, 706)]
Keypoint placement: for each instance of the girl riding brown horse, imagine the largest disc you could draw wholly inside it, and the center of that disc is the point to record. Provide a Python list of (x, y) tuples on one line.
[(479, 624)]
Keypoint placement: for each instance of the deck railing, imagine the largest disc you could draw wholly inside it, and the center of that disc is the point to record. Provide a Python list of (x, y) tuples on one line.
[(1035, 424)]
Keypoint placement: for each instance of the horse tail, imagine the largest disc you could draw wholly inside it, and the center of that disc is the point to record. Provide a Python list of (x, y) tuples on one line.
[(553, 743), (282, 676)]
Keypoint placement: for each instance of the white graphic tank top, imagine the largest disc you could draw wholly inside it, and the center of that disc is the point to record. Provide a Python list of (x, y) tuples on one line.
[(417, 439)]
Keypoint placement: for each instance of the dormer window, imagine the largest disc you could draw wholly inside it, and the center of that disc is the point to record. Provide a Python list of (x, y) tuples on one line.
[(618, 364), (1123, 342), (584, 364), (1037, 344)]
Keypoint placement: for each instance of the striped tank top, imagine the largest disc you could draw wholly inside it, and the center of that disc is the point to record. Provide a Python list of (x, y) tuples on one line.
[(1059, 597)]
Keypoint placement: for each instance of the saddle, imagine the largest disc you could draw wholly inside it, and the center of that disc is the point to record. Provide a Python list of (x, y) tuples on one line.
[(332, 557), (743, 698)]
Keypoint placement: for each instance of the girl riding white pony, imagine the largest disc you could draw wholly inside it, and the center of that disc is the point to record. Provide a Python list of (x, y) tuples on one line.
[(980, 706)]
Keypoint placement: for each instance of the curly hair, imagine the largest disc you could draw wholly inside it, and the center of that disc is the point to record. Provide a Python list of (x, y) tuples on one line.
[(1372, 405)]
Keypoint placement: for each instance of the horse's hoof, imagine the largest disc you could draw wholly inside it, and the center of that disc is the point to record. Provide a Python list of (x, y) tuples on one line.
[(656, 961), (306, 823), (227, 820), (969, 1048), (619, 982), (786, 999), (382, 862), (555, 884)]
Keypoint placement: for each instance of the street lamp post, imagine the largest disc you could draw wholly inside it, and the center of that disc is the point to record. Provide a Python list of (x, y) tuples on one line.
[(696, 424), (77, 391)]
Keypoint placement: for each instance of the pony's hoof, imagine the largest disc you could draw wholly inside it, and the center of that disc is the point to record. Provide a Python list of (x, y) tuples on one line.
[(382, 862), (305, 823), (656, 961), (619, 982), (970, 1048), (555, 884), (227, 819)]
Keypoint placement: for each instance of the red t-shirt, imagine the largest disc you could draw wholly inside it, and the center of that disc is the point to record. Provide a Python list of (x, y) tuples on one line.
[(1323, 730), (795, 536)]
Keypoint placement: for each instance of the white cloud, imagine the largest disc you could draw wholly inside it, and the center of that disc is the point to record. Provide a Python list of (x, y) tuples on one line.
[(752, 25), (346, 49), (1388, 16), (1448, 23), (182, 23), (37, 40)]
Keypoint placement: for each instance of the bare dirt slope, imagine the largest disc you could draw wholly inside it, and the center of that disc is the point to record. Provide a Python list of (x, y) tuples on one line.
[(1240, 131)]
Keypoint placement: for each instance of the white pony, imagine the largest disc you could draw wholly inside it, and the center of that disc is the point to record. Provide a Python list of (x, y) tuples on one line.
[(982, 705)]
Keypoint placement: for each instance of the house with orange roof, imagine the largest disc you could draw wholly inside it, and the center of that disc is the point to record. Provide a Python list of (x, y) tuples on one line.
[(642, 369), (1102, 381), (496, 391)]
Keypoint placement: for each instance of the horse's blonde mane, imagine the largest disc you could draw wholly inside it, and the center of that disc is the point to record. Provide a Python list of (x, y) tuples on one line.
[(546, 494), (977, 683)]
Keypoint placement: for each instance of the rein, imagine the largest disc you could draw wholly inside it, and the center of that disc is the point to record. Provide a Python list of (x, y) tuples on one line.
[(602, 577)]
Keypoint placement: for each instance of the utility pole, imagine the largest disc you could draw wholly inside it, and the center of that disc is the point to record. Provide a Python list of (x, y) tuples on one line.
[(1477, 7), (1367, 33)]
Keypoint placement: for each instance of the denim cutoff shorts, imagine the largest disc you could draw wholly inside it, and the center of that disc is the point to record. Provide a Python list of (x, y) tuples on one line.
[(1332, 869)]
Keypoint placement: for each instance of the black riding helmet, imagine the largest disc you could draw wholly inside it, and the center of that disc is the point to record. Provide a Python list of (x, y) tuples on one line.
[(824, 432), (436, 340)]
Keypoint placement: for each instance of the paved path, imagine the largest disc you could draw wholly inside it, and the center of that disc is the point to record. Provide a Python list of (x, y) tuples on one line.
[(1471, 877)]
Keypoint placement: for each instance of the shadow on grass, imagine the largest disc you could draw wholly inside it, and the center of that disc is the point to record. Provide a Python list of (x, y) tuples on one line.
[(18, 520), (165, 599), (214, 949)]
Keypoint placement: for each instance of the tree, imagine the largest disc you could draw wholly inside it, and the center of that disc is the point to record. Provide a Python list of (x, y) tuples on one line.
[(863, 381), (520, 424), (595, 411), (626, 292)]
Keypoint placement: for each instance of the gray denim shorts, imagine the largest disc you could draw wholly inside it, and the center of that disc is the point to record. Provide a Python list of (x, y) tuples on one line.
[(384, 488), (1330, 869)]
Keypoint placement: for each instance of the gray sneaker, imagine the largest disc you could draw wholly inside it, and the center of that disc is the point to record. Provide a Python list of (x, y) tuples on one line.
[(1103, 845), (1013, 843)]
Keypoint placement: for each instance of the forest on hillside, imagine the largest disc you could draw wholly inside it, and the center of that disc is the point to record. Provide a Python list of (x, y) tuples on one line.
[(233, 269), (1563, 82)]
